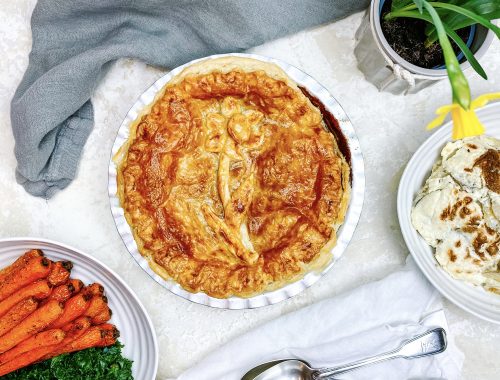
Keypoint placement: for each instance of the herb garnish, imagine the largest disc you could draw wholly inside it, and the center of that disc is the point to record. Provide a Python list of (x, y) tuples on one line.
[(105, 363)]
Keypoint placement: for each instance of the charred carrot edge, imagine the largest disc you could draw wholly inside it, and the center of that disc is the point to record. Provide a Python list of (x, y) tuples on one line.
[(64, 292), (73, 308), (94, 289), (35, 269), (60, 272), (95, 336), (24, 360), (97, 305), (73, 331), (42, 339), (15, 315), (78, 324), (61, 293), (34, 323), (78, 284), (20, 262), (39, 289), (110, 333), (68, 265), (102, 317)]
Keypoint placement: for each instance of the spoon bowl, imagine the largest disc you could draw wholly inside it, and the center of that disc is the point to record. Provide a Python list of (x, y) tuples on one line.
[(291, 369), (278, 372), (431, 342)]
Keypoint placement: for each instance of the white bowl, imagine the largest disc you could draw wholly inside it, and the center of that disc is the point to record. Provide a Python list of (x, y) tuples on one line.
[(473, 299), (344, 234), (129, 316)]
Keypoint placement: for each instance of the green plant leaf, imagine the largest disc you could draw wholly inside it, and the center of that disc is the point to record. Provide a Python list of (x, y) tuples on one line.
[(461, 21), (398, 4), (488, 9), (467, 13), (453, 35), (460, 13), (420, 5), (467, 52), (464, 23), (459, 84)]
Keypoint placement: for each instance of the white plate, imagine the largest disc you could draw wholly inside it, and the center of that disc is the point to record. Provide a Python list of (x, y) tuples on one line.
[(345, 232), (473, 299), (129, 316)]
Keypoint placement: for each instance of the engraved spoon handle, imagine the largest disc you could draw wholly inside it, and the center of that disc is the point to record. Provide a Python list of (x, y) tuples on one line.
[(429, 343)]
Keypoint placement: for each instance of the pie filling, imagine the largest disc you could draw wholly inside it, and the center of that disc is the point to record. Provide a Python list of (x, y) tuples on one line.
[(232, 185)]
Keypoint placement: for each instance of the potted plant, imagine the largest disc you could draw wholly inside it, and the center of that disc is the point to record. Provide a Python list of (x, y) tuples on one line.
[(398, 48)]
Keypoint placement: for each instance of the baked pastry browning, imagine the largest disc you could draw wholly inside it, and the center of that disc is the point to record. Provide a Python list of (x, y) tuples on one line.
[(230, 181)]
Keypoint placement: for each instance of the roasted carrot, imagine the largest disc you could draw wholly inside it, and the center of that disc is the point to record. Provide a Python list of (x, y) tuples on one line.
[(39, 289), (97, 304), (60, 272), (79, 304), (102, 317), (109, 333), (34, 323), (95, 336), (35, 269), (64, 292), (42, 339), (77, 284), (77, 325), (95, 289), (19, 263), (73, 308), (15, 315), (25, 359), (61, 293), (73, 331)]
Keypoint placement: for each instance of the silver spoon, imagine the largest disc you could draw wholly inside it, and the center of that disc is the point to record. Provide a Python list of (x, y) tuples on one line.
[(429, 343)]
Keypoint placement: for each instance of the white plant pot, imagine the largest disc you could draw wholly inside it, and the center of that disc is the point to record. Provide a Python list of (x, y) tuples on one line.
[(383, 67)]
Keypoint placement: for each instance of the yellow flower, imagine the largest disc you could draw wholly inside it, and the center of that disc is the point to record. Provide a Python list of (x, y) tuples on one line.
[(465, 122)]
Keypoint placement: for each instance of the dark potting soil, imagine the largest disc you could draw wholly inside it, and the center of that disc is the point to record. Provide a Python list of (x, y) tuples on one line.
[(407, 36)]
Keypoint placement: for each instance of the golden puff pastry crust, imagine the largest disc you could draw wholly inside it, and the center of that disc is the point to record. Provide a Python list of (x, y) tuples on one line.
[(230, 181)]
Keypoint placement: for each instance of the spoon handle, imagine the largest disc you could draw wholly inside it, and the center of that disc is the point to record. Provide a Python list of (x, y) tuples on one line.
[(429, 343)]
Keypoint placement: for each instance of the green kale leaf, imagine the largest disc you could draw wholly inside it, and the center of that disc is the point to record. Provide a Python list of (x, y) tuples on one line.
[(92, 364)]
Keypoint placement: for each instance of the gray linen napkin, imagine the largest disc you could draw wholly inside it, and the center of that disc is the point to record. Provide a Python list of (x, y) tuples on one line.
[(74, 43)]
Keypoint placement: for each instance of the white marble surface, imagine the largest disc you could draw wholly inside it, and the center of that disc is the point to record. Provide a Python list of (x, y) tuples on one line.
[(390, 129)]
